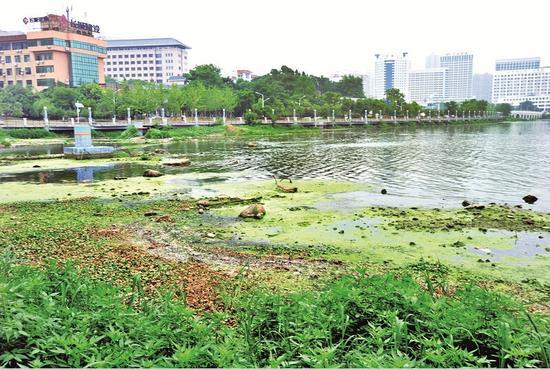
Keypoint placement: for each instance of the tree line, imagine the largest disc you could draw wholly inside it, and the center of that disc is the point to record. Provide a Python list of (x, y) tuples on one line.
[(280, 93)]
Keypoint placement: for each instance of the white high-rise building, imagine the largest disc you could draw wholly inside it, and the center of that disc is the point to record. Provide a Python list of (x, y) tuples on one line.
[(482, 86), (459, 75), (158, 60), (366, 85), (391, 71), (428, 86), (521, 81)]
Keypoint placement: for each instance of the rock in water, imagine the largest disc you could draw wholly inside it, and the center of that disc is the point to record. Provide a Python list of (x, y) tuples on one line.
[(152, 173), (466, 203), (530, 199), (203, 203), (177, 163), (256, 211), (384, 191)]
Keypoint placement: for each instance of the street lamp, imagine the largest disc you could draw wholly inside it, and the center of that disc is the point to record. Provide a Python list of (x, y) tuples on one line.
[(263, 98), (78, 106)]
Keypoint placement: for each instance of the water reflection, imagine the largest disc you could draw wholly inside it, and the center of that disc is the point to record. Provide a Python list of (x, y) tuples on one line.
[(425, 164)]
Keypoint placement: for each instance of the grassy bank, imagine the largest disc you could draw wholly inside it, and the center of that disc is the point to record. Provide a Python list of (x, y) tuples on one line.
[(53, 316), (97, 283)]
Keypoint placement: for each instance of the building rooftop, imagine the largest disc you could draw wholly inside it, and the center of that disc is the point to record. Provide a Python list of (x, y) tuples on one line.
[(145, 42)]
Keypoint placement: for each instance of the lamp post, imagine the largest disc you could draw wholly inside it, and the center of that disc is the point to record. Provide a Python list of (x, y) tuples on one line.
[(129, 116), (196, 118), (333, 116), (294, 116), (263, 98), (45, 115), (78, 106), (223, 119), (90, 120)]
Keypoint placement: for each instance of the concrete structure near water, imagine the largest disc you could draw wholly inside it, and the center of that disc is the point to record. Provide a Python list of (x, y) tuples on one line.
[(83, 148)]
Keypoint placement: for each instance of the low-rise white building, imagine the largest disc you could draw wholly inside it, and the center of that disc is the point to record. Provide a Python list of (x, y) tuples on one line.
[(519, 85), (152, 59), (428, 86)]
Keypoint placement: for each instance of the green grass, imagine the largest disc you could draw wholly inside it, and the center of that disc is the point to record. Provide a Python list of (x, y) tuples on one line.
[(75, 292), (56, 317)]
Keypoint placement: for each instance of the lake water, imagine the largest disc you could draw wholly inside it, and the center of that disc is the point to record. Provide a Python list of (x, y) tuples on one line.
[(419, 165)]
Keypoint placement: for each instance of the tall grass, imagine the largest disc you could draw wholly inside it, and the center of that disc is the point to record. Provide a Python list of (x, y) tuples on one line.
[(56, 317)]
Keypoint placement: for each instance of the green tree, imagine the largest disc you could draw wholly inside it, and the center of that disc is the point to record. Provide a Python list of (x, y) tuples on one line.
[(207, 74), (350, 86), (505, 109)]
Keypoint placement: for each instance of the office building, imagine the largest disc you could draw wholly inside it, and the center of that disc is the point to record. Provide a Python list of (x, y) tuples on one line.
[(59, 51), (459, 75), (517, 64), (482, 86), (514, 86), (367, 85), (391, 71), (428, 86), (152, 59)]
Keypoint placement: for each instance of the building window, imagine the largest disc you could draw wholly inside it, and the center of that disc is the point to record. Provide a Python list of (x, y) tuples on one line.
[(132, 62), (45, 82), (8, 72), (44, 56), (84, 69), (150, 55), (19, 71), (44, 69), (26, 58), (29, 83), (17, 58), (8, 59), (28, 70), (10, 83)]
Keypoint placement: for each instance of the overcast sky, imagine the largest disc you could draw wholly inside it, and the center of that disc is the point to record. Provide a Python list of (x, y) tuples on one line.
[(320, 37)]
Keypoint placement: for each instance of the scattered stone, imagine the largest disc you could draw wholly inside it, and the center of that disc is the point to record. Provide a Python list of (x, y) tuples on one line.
[(256, 211), (210, 235), (341, 231), (36, 166), (383, 191), (466, 203), (177, 163), (530, 199), (519, 206), (120, 178), (201, 210), (203, 203), (151, 214), (152, 173), (164, 218), (251, 144), (475, 207), (412, 243)]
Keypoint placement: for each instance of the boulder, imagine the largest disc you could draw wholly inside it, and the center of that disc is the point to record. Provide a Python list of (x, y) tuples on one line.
[(256, 211), (383, 191), (475, 207), (177, 163), (530, 199), (466, 203), (203, 203), (152, 173)]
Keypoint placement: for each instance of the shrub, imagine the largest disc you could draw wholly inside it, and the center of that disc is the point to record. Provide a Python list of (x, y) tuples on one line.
[(130, 132), (155, 133), (250, 117), (29, 133)]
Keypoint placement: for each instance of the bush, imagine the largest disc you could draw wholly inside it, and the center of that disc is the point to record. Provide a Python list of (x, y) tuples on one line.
[(29, 133), (250, 117), (155, 133), (130, 132)]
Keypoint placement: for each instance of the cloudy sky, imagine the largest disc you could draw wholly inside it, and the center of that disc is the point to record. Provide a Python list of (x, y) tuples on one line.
[(321, 37)]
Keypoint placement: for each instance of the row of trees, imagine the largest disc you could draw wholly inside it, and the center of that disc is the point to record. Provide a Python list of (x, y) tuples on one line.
[(281, 92)]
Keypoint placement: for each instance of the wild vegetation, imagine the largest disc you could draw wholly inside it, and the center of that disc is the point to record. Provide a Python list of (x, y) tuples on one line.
[(81, 288)]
